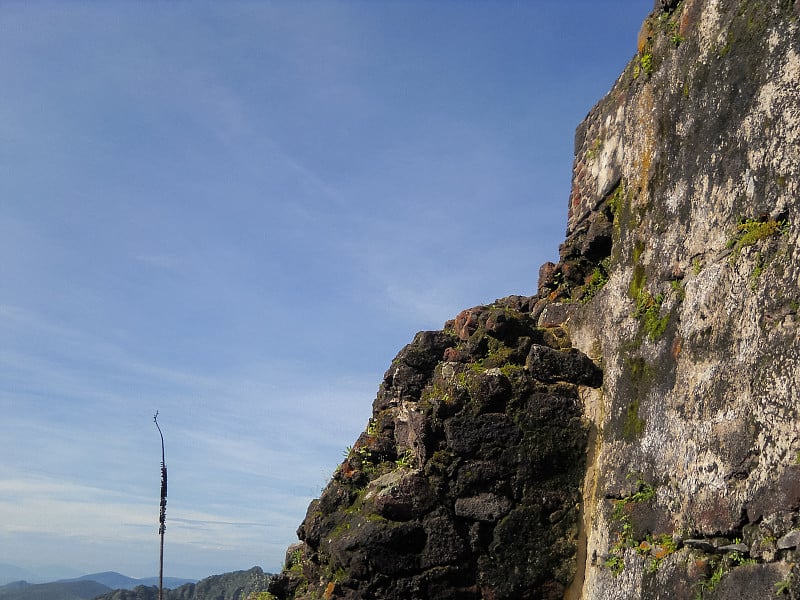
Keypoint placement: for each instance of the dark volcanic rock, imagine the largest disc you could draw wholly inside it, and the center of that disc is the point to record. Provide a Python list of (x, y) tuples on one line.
[(455, 482), (549, 365)]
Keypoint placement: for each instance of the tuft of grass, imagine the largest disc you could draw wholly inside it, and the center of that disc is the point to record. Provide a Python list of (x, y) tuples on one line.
[(677, 287), (715, 578), (615, 564), (597, 280), (406, 460), (596, 147), (784, 585), (625, 539), (647, 63), (644, 493), (644, 65)]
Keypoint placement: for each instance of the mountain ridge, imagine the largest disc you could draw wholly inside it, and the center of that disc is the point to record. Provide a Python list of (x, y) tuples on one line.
[(115, 580), (234, 585), (73, 590)]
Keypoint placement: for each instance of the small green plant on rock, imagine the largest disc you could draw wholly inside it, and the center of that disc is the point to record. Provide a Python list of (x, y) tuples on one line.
[(677, 287), (645, 65), (667, 24), (261, 596), (751, 231), (758, 269), (592, 152), (406, 460), (616, 199), (661, 546), (296, 569), (648, 310), (622, 520), (738, 559), (713, 581), (648, 307), (296, 562), (720, 566), (644, 491), (710, 583), (785, 584), (615, 564), (597, 280)]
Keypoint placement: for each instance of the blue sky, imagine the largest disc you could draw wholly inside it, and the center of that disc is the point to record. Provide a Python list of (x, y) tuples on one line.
[(236, 214)]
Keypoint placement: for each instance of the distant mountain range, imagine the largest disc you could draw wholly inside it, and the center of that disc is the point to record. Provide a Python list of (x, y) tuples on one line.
[(9, 573), (117, 581), (237, 585), (85, 587), (67, 590)]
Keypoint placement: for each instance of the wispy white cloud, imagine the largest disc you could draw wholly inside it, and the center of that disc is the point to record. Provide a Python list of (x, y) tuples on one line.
[(36, 503), (86, 471), (92, 515)]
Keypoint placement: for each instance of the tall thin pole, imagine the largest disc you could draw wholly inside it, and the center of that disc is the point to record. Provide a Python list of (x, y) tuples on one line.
[(162, 517)]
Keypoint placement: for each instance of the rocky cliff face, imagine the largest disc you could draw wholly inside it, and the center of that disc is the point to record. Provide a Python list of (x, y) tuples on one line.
[(632, 430), (466, 483)]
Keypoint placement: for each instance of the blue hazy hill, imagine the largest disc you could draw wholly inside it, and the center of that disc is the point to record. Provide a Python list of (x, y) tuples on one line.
[(57, 590), (85, 587), (118, 581)]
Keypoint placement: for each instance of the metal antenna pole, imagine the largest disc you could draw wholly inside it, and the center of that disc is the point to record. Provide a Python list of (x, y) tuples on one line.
[(162, 517)]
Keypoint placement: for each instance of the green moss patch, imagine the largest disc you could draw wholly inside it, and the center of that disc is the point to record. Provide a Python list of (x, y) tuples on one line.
[(751, 231)]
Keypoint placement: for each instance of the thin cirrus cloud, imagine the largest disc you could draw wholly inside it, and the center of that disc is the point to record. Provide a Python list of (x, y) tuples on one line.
[(89, 516)]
